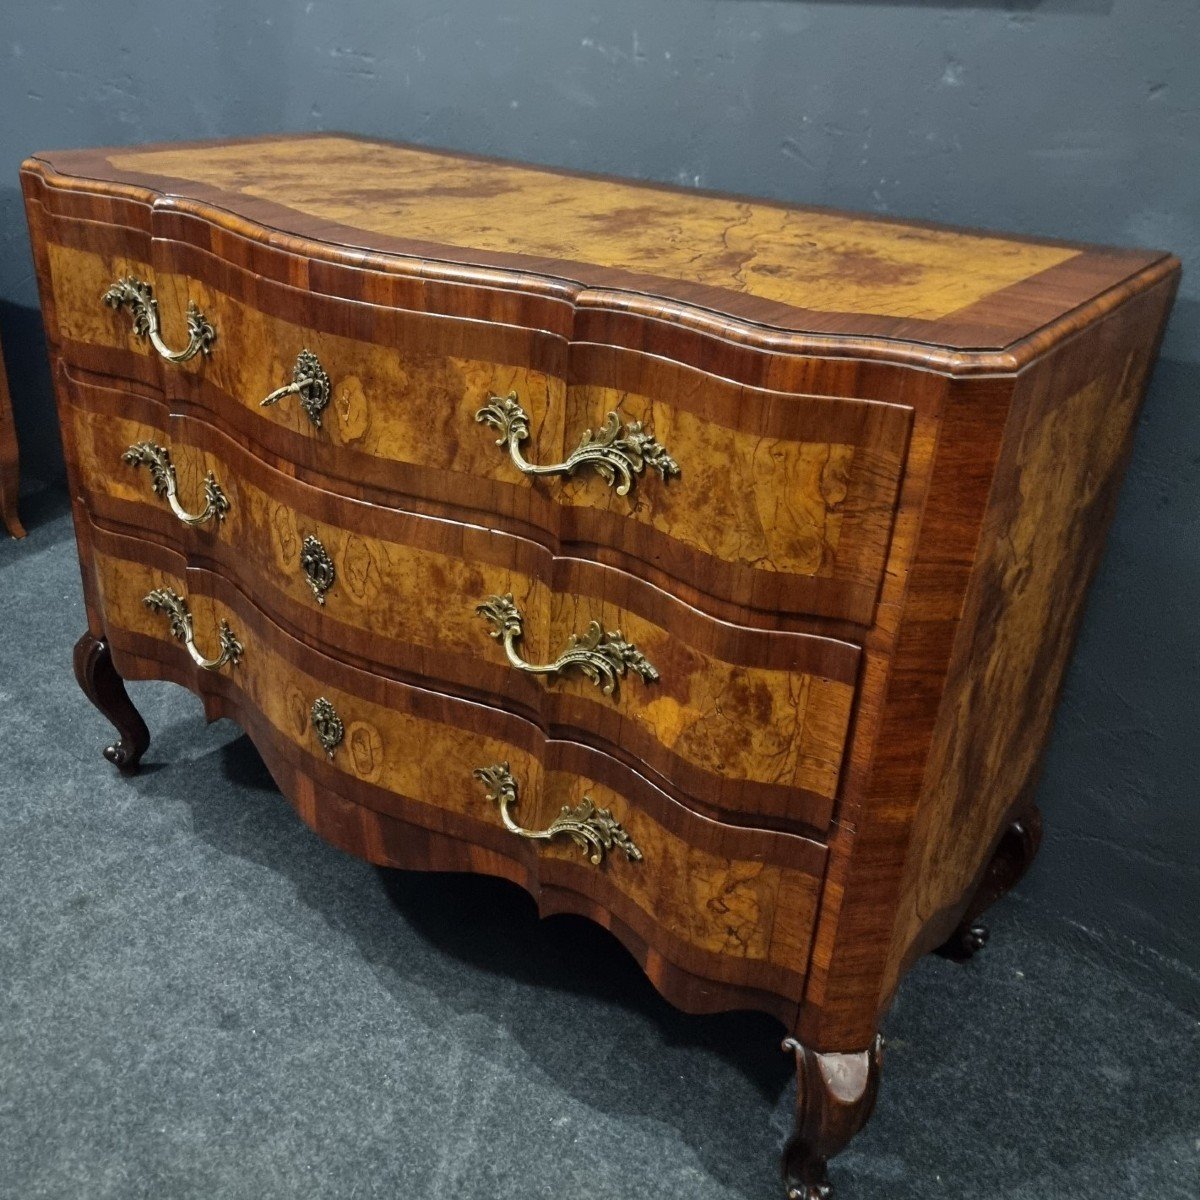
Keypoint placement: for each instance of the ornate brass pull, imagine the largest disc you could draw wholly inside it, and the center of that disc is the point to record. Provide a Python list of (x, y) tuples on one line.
[(593, 829), (317, 566), (309, 382), (327, 725), (617, 452), (175, 608), (137, 296), (602, 657), (162, 480)]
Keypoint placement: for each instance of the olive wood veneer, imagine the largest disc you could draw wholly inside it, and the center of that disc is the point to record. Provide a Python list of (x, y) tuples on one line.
[(854, 556)]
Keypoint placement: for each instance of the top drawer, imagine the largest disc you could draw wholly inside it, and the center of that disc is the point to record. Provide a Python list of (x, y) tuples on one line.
[(781, 503)]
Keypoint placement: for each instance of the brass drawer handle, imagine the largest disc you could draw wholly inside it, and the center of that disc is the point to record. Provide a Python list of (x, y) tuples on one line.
[(137, 296), (593, 829), (168, 602), (617, 452), (162, 480), (327, 725), (309, 382), (602, 657)]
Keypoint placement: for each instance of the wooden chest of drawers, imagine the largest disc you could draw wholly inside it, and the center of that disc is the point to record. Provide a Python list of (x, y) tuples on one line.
[(708, 567), (8, 460)]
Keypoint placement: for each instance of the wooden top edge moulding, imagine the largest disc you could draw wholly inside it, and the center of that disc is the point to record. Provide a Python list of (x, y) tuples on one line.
[(773, 274)]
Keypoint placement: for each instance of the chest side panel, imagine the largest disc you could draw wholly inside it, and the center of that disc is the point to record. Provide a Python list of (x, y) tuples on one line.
[(1024, 479), (1052, 503)]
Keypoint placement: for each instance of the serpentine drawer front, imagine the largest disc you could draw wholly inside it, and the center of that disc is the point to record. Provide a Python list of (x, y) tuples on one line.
[(741, 724), (706, 566), (752, 496), (735, 893)]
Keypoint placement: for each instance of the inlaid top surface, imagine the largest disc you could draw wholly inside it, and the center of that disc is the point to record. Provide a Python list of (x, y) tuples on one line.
[(794, 268)]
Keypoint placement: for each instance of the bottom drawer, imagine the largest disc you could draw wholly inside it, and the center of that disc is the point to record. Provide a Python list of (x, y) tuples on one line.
[(720, 916)]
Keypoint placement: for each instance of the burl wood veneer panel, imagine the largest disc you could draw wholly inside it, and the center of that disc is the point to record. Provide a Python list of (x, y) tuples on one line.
[(736, 905), (783, 502), (1053, 496), (825, 261), (1026, 478), (743, 724), (900, 447), (793, 268)]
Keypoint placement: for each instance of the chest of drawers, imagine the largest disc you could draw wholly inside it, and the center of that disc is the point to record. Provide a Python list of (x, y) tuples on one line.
[(8, 460), (706, 566)]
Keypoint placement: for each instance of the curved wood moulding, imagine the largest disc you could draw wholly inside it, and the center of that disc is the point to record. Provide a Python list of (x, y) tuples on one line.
[(717, 903), (1003, 330), (899, 444), (744, 725), (230, 422), (784, 505), (828, 366)]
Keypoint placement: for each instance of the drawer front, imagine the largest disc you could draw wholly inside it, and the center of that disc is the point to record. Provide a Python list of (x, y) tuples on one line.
[(733, 903), (746, 725), (783, 503)]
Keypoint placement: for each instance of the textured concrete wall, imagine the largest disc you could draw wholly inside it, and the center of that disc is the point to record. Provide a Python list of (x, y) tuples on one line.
[(1073, 118)]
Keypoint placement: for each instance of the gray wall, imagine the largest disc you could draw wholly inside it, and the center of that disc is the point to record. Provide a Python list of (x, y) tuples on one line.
[(1075, 118)]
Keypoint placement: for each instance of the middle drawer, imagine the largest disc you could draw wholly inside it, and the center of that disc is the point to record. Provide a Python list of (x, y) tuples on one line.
[(743, 724)]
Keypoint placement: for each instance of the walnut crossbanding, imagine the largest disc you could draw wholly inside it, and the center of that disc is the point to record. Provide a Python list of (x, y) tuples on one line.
[(783, 547)]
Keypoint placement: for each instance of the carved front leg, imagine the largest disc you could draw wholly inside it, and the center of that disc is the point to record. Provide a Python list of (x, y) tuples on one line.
[(102, 685), (835, 1094), (1012, 859)]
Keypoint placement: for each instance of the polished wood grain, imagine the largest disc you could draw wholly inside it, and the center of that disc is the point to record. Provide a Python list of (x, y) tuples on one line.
[(704, 893), (761, 263), (1054, 493), (824, 261), (1014, 528), (792, 495), (904, 494), (835, 1096), (742, 725), (9, 460), (100, 683)]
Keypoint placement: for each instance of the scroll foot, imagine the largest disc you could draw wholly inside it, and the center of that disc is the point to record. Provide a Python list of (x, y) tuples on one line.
[(101, 684), (1014, 856), (9, 516), (835, 1095)]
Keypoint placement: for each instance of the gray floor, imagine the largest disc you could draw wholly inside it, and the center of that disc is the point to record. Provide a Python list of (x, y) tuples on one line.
[(200, 999)]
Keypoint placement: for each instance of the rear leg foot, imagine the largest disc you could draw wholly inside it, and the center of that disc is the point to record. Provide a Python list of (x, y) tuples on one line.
[(1013, 858)]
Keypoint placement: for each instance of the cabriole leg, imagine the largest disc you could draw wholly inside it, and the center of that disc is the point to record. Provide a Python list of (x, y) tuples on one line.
[(835, 1094), (1013, 858), (102, 685), (8, 506)]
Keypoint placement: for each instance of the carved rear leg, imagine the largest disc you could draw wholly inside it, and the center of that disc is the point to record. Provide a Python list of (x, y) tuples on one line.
[(1013, 858), (835, 1094), (102, 685), (8, 505)]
